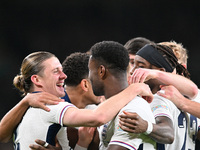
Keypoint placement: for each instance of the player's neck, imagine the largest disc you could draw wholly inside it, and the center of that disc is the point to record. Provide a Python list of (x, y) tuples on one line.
[(114, 86), (75, 96)]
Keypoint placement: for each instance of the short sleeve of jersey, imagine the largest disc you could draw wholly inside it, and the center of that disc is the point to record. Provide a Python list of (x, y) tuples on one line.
[(57, 112), (161, 107), (131, 140)]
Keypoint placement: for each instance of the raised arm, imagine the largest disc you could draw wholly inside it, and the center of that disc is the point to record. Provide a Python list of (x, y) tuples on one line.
[(10, 121), (107, 109), (171, 93), (180, 82)]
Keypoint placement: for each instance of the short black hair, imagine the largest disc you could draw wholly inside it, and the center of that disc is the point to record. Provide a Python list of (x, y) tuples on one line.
[(113, 54), (75, 66), (135, 44)]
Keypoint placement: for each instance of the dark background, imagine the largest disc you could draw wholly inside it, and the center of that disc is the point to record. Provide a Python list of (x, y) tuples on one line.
[(67, 26)]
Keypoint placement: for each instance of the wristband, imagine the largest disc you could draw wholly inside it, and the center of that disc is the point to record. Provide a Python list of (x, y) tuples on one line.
[(78, 147), (149, 128)]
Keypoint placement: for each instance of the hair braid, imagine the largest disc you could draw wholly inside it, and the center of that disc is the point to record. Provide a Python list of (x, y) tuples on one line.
[(169, 55)]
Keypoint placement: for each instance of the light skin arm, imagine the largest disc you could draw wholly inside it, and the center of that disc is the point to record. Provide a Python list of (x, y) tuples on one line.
[(10, 121), (141, 75), (85, 117), (180, 101), (162, 131), (106, 110)]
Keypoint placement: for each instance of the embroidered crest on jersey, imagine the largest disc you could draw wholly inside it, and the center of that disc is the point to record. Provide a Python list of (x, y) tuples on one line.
[(159, 106)]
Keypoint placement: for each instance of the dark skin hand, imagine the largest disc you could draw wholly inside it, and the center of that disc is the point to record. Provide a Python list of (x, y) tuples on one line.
[(40, 146), (163, 131), (132, 122)]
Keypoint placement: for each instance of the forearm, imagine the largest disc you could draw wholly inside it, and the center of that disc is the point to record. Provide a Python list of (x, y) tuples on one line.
[(103, 113), (162, 132), (190, 107), (179, 82), (161, 135), (10, 121), (109, 108)]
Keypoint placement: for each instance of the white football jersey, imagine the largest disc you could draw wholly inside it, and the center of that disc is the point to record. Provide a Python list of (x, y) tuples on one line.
[(39, 124), (185, 125), (111, 133)]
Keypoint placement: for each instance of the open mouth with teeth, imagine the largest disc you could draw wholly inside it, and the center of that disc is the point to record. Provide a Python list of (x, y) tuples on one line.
[(60, 86)]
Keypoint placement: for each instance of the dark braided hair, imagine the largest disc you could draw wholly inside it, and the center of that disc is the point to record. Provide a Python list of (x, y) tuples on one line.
[(169, 55)]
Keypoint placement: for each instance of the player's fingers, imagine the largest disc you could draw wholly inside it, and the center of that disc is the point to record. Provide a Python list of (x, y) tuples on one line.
[(36, 147), (128, 118), (42, 143), (129, 115), (161, 93), (51, 102), (126, 128), (143, 77), (44, 107), (49, 97), (128, 122), (149, 99), (136, 77)]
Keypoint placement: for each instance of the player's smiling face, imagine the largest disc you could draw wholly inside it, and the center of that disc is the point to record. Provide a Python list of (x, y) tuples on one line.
[(52, 78)]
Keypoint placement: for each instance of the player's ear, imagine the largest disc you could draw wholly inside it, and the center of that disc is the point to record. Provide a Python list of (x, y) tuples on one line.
[(85, 84), (36, 80), (102, 71)]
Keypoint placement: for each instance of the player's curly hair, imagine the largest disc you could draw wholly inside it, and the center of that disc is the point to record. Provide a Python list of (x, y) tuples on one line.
[(75, 66), (111, 54)]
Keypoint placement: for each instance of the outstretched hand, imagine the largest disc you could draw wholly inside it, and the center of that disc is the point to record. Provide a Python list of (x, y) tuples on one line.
[(39, 100)]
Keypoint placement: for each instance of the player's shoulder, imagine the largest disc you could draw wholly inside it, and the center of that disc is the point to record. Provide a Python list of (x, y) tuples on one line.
[(135, 104), (160, 100), (61, 104), (139, 100)]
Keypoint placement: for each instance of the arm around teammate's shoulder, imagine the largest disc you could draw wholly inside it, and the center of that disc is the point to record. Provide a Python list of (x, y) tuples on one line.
[(106, 110)]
